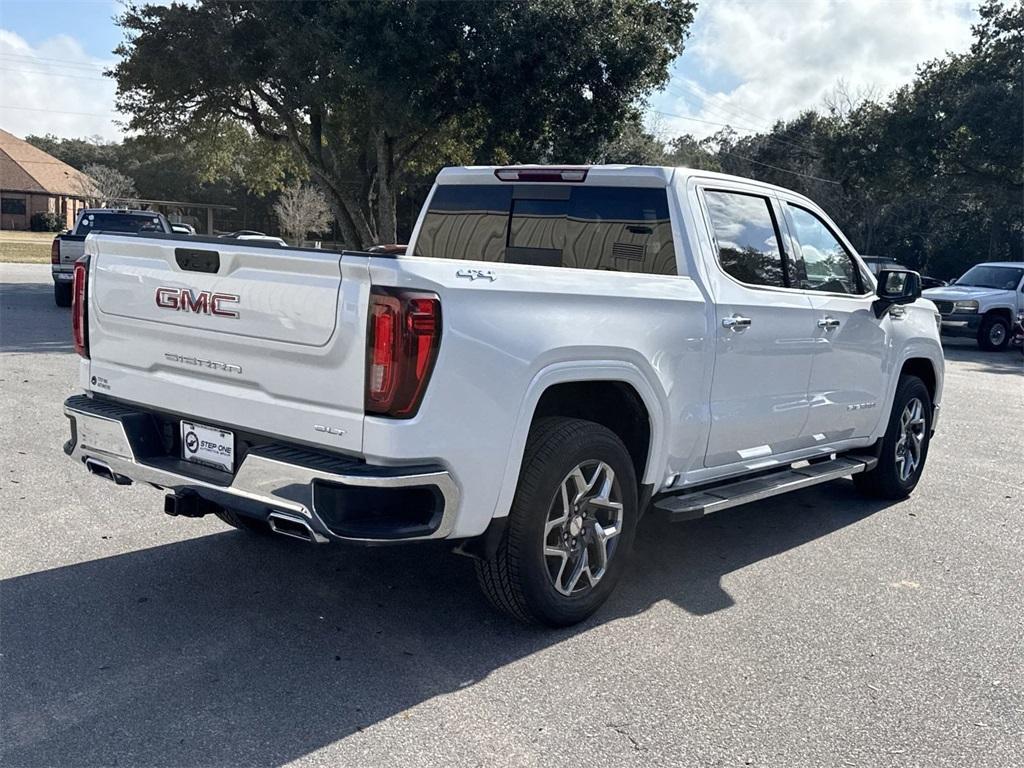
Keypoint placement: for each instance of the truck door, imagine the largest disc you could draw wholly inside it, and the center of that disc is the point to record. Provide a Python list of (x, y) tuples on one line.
[(846, 390), (765, 333)]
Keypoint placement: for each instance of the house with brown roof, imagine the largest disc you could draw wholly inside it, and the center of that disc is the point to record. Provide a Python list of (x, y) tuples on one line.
[(32, 181)]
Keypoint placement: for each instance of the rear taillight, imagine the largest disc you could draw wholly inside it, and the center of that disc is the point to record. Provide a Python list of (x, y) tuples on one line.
[(403, 337), (79, 319), (55, 251)]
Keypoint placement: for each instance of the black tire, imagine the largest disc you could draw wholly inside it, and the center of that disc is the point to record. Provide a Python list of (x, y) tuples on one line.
[(62, 294), (520, 578), (886, 480), (994, 333), (243, 522)]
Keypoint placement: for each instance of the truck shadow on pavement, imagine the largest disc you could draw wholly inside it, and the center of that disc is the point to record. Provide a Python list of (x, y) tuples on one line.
[(30, 321), (233, 649)]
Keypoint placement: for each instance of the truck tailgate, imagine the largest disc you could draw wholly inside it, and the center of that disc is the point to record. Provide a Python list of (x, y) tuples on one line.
[(71, 249), (259, 338)]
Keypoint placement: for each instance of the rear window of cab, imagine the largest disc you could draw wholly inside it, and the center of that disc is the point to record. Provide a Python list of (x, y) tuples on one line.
[(621, 229), (119, 222)]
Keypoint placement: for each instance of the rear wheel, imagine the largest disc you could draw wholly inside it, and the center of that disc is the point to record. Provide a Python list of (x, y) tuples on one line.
[(570, 528), (905, 445), (243, 522), (62, 294), (994, 333)]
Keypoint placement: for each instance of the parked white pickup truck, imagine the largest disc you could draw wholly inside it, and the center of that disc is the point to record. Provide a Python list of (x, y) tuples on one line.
[(983, 303), (559, 351), (68, 247)]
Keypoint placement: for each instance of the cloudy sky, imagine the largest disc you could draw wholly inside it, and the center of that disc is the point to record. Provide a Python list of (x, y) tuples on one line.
[(747, 62)]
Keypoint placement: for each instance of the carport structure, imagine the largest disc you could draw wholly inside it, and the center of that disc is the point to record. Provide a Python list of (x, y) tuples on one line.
[(198, 215)]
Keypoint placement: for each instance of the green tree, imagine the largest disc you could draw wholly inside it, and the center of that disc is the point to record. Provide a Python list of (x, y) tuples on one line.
[(688, 152), (226, 166), (78, 153), (634, 145), (931, 175), (367, 94)]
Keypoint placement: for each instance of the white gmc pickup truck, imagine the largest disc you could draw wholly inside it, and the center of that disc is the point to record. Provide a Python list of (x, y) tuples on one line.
[(559, 351)]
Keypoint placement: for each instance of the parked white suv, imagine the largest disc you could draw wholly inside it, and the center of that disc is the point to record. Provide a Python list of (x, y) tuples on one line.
[(559, 351), (983, 303)]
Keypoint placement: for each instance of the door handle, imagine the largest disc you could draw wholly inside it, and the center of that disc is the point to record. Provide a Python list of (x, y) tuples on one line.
[(828, 323), (736, 322)]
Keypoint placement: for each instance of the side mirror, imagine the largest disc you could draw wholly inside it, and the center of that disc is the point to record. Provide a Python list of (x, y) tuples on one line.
[(896, 286)]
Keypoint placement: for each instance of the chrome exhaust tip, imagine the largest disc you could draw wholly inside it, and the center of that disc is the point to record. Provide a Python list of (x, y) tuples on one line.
[(287, 525), (102, 469)]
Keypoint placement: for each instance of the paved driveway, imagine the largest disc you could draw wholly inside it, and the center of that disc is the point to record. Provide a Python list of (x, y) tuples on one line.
[(818, 629)]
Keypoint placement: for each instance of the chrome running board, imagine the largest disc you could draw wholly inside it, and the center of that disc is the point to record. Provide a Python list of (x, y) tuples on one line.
[(689, 505)]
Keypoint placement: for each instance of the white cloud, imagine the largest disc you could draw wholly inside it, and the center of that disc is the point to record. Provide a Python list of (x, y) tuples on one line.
[(784, 57), (57, 88), (788, 56)]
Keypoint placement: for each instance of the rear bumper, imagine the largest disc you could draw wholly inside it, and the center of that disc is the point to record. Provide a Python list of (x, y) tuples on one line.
[(337, 498), (63, 274)]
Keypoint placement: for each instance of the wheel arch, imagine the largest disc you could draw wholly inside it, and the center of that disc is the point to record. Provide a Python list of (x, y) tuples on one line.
[(924, 369), (612, 404), (615, 384), (1006, 312), (921, 357)]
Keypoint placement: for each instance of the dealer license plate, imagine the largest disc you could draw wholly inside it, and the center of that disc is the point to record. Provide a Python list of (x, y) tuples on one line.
[(208, 445)]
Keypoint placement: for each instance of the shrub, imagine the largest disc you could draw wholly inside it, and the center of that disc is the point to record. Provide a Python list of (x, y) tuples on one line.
[(47, 221)]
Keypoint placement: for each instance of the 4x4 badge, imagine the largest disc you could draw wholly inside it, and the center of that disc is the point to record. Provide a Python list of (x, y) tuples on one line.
[(477, 274)]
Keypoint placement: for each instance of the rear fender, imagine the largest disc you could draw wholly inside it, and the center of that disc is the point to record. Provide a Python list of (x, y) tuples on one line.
[(654, 400)]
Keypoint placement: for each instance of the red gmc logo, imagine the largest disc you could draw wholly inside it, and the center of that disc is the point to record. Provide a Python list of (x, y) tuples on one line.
[(200, 302)]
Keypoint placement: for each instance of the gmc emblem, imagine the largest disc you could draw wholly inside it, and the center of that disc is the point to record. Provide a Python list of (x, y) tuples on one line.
[(201, 302)]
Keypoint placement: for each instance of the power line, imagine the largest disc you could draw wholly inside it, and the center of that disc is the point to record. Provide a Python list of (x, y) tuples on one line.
[(62, 111), (64, 62), (707, 102), (695, 119), (777, 168), (765, 132), (707, 97), (763, 135), (55, 74), (724, 116)]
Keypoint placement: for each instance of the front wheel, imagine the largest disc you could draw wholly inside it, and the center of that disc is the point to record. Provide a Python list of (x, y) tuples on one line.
[(905, 445), (570, 528), (994, 334)]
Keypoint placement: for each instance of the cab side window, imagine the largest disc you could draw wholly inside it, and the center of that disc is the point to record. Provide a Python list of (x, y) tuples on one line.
[(747, 237), (821, 263)]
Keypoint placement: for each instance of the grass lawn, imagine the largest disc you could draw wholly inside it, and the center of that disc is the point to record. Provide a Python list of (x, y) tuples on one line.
[(30, 247)]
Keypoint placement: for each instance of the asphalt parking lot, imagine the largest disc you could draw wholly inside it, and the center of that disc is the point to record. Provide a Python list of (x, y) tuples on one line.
[(818, 629)]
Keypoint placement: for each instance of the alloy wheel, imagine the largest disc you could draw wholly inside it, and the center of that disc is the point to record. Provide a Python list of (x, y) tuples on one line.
[(910, 446), (582, 528)]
